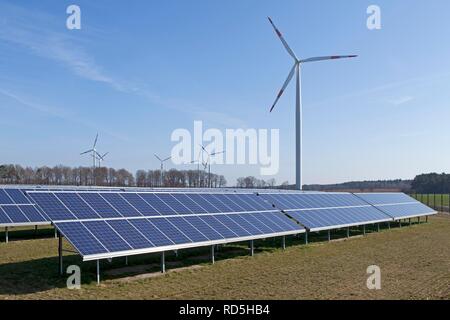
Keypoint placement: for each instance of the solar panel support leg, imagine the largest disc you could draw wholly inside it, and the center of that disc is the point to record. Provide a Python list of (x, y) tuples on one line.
[(306, 237), (35, 231), (409, 221), (60, 254), (329, 235), (212, 254), (163, 262), (418, 219), (348, 232), (389, 225), (400, 223), (6, 234), (426, 219), (252, 248), (284, 242), (56, 234), (364, 230), (378, 227), (98, 272), (126, 261)]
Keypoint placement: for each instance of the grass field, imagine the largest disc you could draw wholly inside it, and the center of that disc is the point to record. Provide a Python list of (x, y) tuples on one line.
[(434, 200), (414, 262)]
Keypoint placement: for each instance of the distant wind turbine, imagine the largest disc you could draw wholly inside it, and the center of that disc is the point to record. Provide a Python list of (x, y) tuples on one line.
[(162, 167), (94, 153), (208, 163), (298, 107), (101, 158)]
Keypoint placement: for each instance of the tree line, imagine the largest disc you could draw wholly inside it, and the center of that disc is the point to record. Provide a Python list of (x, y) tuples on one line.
[(431, 183), (103, 176)]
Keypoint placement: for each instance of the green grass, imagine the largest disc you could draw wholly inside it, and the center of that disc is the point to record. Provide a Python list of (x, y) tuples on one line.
[(414, 261), (434, 200)]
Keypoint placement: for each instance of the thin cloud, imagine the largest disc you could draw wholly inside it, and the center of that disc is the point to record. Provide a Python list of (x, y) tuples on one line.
[(59, 113), (401, 100), (33, 30)]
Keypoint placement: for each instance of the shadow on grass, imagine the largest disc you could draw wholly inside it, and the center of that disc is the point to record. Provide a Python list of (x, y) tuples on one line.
[(27, 233), (42, 274)]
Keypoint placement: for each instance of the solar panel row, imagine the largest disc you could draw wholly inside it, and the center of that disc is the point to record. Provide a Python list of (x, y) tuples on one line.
[(94, 205), (22, 214), (325, 211), (96, 239)]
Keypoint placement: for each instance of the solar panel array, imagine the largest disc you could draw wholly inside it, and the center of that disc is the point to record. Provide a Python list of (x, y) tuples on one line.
[(17, 210), (110, 224), (103, 223), (325, 211), (397, 205)]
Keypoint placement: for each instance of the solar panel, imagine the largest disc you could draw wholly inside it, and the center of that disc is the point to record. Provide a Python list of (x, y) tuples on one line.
[(97, 239), (325, 211), (20, 215), (397, 205)]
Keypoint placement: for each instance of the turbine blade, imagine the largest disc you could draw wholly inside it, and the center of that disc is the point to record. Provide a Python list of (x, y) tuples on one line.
[(104, 155), (291, 74), (158, 157), (95, 141), (286, 46), (216, 153), (87, 151), (168, 158), (314, 59)]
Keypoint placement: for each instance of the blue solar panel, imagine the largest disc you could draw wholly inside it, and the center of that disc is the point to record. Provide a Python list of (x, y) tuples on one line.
[(385, 198), (4, 198), (232, 225), (188, 229), (4, 219), (160, 206), (290, 201), (169, 230), (15, 214), (17, 196), (51, 206), (32, 213), (258, 223), (131, 235), (397, 205), (209, 231), (204, 203), (77, 206), (140, 204), (80, 237), (174, 204), (106, 235), (322, 219), (244, 223), (153, 234), (190, 203), (121, 205), (407, 210), (100, 205), (218, 227)]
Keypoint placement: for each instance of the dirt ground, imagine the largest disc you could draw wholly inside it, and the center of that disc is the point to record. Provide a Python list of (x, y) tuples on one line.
[(414, 262)]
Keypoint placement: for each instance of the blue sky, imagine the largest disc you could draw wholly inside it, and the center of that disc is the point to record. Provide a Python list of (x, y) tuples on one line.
[(137, 70)]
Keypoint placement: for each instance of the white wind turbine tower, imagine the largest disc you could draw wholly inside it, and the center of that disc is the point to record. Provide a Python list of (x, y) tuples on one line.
[(94, 153), (298, 107), (162, 167)]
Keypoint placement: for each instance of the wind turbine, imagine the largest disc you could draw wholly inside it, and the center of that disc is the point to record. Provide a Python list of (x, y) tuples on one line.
[(198, 166), (101, 158), (208, 163), (162, 167), (298, 104), (94, 153)]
